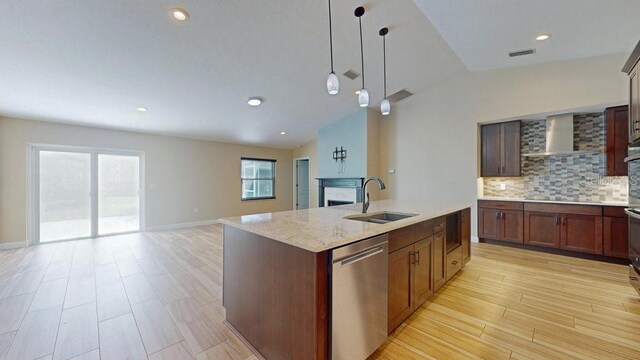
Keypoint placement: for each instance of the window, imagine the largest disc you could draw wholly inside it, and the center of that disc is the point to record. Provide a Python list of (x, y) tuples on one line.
[(258, 179)]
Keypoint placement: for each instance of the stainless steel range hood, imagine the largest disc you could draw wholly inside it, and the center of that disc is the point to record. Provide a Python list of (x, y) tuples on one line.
[(559, 137)]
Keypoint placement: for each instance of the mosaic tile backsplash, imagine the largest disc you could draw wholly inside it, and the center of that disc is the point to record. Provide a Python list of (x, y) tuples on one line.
[(573, 177)]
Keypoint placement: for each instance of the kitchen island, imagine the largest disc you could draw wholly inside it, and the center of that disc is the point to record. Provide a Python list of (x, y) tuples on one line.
[(277, 278)]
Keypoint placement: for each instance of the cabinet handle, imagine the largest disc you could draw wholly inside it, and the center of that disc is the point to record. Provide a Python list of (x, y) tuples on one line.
[(454, 262), (503, 170), (417, 253), (564, 221), (502, 216), (413, 258), (557, 218), (498, 216)]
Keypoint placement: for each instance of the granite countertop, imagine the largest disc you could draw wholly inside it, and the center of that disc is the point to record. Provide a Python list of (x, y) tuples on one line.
[(325, 228), (601, 203)]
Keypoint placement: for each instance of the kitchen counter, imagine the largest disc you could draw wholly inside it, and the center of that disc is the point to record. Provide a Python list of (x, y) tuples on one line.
[(322, 229), (603, 203)]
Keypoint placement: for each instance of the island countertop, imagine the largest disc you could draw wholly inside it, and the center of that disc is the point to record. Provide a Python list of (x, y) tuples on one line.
[(326, 228)]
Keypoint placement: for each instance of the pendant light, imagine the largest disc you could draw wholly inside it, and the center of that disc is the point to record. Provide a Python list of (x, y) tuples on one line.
[(363, 96), (333, 85), (385, 106)]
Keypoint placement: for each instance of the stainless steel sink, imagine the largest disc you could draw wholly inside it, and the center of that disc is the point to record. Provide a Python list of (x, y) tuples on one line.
[(380, 218)]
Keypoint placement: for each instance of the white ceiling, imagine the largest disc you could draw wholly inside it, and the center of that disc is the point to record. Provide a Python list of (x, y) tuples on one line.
[(94, 62), (482, 33)]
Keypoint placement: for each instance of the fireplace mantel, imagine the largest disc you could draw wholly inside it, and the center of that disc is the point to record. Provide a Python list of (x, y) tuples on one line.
[(347, 183)]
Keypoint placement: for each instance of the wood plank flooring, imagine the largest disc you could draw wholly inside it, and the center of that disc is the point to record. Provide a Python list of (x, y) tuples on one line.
[(158, 296)]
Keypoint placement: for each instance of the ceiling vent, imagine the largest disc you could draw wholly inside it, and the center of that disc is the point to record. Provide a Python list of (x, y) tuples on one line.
[(351, 74), (522, 53), (399, 95)]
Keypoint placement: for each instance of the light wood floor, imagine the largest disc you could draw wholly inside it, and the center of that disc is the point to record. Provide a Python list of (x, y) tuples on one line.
[(157, 295)]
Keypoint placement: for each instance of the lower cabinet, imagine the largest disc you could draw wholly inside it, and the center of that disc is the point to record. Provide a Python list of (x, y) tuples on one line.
[(542, 229), (410, 280), (582, 233), (616, 232), (500, 224), (439, 261)]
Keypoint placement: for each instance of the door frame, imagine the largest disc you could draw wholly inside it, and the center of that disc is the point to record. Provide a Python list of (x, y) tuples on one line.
[(33, 187), (295, 180)]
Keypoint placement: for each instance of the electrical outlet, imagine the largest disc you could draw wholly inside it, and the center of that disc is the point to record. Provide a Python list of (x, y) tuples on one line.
[(503, 186), (392, 171)]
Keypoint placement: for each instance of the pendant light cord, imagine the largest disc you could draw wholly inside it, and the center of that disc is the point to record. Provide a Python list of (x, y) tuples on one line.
[(330, 37), (361, 50), (384, 62)]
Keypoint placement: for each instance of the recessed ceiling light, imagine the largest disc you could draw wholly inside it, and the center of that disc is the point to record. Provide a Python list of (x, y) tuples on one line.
[(179, 14), (543, 37), (283, 133), (142, 109), (254, 101)]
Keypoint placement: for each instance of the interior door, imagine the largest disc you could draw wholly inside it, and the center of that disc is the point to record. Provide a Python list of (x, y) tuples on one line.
[(64, 195), (302, 184)]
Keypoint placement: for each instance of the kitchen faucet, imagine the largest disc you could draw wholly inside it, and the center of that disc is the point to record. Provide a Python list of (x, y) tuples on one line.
[(366, 203)]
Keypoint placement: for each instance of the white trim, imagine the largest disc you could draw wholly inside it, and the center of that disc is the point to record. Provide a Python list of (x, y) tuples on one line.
[(475, 239), (181, 225), (13, 245), (295, 181)]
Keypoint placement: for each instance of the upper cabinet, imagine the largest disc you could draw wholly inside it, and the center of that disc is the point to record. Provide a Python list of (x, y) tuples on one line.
[(617, 123), (631, 68), (500, 154)]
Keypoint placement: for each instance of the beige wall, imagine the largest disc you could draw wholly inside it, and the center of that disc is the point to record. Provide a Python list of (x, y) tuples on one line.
[(180, 174), (431, 139), (310, 150)]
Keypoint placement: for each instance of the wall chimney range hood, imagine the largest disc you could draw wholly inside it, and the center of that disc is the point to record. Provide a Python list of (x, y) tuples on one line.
[(559, 137)]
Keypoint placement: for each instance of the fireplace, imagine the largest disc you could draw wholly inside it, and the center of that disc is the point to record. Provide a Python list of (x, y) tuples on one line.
[(334, 192)]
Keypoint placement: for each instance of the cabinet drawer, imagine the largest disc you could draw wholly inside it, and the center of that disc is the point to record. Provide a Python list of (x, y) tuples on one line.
[(409, 235), (439, 224), (564, 209), (614, 211), (505, 205), (454, 262)]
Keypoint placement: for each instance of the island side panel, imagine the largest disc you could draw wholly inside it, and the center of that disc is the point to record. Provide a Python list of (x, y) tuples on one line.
[(276, 295)]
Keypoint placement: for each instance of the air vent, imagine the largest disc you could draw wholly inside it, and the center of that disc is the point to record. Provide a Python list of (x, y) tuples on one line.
[(522, 53), (351, 74), (399, 95)]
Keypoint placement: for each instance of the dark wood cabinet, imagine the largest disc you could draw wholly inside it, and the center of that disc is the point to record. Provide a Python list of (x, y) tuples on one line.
[(500, 149), (617, 123), (504, 222), (631, 68), (439, 261), (616, 232), (410, 280), (582, 233), (465, 234), (400, 283), (542, 229)]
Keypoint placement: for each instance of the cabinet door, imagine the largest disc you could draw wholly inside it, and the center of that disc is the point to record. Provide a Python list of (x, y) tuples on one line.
[(542, 229), (634, 106), (582, 233), (510, 149), (488, 224), (400, 268), (491, 150), (617, 140), (511, 226), (439, 261), (422, 272), (616, 237), (465, 234)]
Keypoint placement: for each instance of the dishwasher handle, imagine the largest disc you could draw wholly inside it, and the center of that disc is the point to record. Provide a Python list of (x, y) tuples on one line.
[(362, 255)]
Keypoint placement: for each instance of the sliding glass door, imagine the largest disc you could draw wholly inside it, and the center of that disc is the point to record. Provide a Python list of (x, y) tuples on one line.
[(65, 195), (81, 193), (118, 197)]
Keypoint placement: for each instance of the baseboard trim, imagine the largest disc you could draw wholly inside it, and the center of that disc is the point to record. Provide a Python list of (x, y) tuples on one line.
[(181, 225), (13, 245), (475, 239)]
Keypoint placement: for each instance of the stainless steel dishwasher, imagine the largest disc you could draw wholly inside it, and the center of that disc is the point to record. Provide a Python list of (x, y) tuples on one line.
[(359, 298)]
